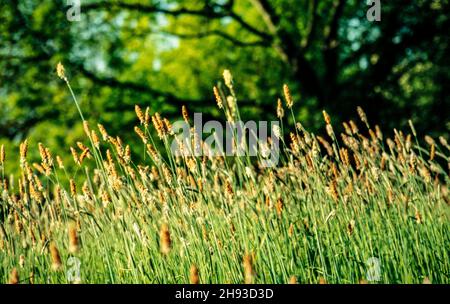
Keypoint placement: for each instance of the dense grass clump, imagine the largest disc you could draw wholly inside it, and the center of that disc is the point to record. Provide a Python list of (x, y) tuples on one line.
[(341, 208)]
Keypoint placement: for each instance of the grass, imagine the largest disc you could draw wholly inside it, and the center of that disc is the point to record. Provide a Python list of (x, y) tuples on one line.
[(345, 210)]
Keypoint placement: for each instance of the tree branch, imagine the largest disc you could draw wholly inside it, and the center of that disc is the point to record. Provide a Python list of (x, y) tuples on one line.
[(312, 25), (268, 14), (218, 33), (207, 12), (176, 101)]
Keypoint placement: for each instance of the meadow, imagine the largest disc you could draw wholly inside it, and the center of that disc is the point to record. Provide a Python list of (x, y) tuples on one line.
[(352, 207)]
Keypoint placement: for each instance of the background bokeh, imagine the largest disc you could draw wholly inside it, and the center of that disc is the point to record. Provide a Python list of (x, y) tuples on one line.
[(164, 54)]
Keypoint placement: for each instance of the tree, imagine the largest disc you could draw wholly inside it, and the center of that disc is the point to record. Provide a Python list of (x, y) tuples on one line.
[(169, 53)]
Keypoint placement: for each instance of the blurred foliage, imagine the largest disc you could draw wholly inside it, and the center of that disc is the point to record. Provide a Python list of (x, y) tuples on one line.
[(167, 53)]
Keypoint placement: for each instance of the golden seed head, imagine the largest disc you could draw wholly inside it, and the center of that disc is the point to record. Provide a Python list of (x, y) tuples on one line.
[(279, 206), (140, 134), (95, 139), (109, 157), (277, 131), (326, 117), (73, 188), (127, 154), (218, 98), (333, 190), (280, 110), (60, 71), (14, 276), (411, 125), (147, 117), (86, 153), (86, 128), (23, 151), (228, 78), (21, 260), (330, 130), (139, 114), (354, 127), (35, 194), (164, 238), (444, 142), (75, 156), (418, 216), (228, 188), (193, 275), (56, 259), (73, 239), (38, 183), (152, 152), (378, 132), (167, 126), (103, 132), (432, 152), (39, 168), (167, 174), (159, 125), (288, 97), (248, 269), (347, 128), (2, 154), (185, 114), (294, 143), (291, 230), (362, 115), (351, 227), (429, 140)]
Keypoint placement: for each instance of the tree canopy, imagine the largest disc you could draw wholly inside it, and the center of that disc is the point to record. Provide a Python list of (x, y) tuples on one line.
[(168, 53)]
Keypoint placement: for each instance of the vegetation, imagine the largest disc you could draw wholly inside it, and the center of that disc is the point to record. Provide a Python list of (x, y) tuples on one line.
[(332, 204), (166, 53)]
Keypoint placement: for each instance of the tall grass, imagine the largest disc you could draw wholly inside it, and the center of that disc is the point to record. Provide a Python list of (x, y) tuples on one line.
[(331, 206)]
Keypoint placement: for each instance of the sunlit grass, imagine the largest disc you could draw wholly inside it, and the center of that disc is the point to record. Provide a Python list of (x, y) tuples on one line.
[(319, 216)]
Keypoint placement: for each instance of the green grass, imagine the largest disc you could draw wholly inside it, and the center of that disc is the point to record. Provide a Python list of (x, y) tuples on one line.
[(316, 216)]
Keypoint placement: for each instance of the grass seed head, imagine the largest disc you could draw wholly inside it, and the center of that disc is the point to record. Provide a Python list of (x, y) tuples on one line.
[(60, 71), (103, 132), (140, 115), (73, 187), (288, 96), (2, 154), (362, 115), (73, 239), (218, 98), (248, 269), (14, 276), (56, 259), (326, 117), (140, 134), (164, 238), (185, 114), (228, 78), (280, 110), (193, 275)]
